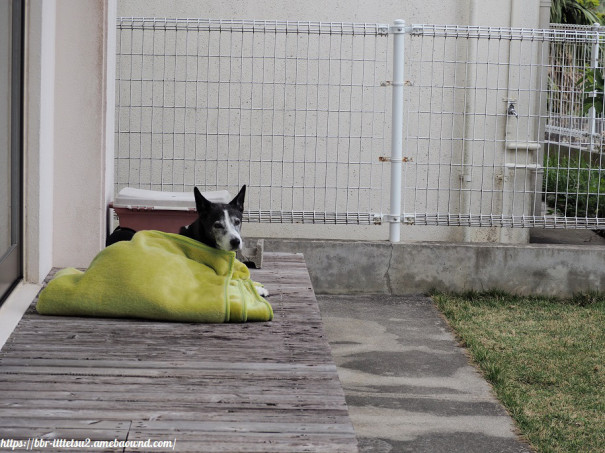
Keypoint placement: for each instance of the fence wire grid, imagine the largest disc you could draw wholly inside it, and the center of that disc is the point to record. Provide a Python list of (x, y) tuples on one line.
[(294, 110), (502, 127)]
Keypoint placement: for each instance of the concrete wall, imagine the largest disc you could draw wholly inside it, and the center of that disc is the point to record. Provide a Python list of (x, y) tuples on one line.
[(349, 267), (515, 13), (430, 11)]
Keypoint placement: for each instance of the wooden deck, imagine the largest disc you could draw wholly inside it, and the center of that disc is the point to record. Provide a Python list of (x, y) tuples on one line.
[(256, 387)]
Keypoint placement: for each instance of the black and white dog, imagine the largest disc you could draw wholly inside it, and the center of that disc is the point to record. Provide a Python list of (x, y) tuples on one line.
[(218, 225)]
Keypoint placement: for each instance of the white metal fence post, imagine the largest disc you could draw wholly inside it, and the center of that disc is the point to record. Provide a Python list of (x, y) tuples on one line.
[(398, 31), (594, 65)]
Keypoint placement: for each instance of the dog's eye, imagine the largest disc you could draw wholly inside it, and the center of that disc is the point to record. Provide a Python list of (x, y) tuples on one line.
[(236, 222), (219, 225)]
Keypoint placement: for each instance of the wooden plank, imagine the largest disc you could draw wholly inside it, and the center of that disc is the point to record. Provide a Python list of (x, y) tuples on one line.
[(256, 387), (176, 417), (44, 423), (254, 443), (201, 387), (7, 365), (39, 432)]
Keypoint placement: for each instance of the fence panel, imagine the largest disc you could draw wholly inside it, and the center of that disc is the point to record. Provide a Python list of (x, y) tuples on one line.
[(479, 102), (502, 127), (574, 187), (298, 111)]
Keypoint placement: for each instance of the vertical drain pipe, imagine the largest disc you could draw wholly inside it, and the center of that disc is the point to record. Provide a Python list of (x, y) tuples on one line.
[(398, 30)]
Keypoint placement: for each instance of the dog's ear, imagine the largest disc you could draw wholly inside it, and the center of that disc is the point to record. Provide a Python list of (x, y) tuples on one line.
[(238, 201), (201, 204)]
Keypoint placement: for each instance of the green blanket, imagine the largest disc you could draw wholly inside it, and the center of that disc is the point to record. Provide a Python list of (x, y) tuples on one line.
[(158, 276)]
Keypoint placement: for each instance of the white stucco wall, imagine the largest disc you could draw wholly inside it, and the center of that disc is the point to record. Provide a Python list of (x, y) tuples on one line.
[(514, 13), (39, 134), (518, 13), (82, 102), (69, 108), (430, 11)]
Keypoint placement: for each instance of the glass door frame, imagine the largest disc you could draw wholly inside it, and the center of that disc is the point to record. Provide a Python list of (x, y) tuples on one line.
[(11, 263)]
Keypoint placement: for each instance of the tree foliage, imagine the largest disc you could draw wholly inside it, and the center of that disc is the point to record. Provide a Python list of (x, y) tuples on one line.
[(581, 12)]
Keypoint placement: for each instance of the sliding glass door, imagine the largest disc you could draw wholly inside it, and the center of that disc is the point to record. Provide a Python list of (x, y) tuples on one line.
[(11, 101)]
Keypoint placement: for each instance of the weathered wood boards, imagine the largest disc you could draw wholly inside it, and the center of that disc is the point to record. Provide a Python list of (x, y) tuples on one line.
[(256, 387)]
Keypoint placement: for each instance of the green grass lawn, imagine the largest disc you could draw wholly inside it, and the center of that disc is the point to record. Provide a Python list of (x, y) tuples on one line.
[(545, 359)]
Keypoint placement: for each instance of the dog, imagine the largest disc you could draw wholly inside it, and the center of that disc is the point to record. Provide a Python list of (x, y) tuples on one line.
[(218, 225)]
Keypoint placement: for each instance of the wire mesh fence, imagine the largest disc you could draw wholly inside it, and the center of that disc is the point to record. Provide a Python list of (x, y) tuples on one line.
[(474, 115), (574, 175), (575, 60), (502, 127), (295, 110), (501, 132)]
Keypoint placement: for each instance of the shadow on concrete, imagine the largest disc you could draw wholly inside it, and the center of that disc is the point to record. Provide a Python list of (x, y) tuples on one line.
[(408, 384), (559, 236)]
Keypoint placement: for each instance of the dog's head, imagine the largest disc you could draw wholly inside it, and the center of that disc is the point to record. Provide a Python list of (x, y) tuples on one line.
[(218, 224)]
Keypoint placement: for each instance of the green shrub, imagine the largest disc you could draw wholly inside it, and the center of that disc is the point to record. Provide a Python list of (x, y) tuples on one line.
[(574, 187), (593, 88)]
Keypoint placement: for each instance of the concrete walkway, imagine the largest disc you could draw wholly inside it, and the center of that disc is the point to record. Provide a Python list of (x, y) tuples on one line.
[(408, 385)]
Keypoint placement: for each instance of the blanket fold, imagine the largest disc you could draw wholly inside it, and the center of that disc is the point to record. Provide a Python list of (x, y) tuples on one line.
[(159, 276)]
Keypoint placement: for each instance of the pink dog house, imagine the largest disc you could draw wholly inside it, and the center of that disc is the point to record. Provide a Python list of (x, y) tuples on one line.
[(141, 209)]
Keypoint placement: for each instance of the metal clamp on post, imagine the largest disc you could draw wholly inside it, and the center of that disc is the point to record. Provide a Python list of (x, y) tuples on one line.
[(397, 27)]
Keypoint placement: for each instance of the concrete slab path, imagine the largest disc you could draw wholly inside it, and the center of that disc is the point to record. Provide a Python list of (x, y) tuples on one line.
[(408, 384)]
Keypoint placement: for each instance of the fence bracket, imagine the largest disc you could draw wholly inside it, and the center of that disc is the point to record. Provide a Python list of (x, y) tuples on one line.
[(517, 146), (404, 159), (383, 30), (408, 219), (390, 83), (531, 167)]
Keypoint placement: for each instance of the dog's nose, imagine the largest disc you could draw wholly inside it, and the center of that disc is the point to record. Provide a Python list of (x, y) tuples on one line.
[(235, 242)]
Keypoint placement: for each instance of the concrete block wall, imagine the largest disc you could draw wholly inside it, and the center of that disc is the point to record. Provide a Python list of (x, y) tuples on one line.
[(349, 267)]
